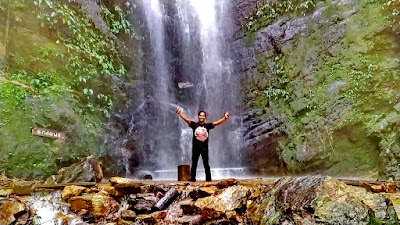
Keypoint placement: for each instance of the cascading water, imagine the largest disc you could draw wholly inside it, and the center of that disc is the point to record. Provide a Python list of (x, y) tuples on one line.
[(48, 207), (189, 65)]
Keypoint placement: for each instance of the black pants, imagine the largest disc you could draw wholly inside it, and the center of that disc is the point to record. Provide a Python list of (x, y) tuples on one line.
[(195, 158)]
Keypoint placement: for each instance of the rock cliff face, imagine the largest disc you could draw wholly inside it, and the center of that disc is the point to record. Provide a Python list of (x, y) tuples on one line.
[(326, 79)]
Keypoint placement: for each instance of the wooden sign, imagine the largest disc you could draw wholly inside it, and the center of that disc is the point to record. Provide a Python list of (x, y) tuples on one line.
[(49, 133)]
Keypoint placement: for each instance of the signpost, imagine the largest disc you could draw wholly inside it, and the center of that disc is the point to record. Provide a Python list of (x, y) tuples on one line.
[(49, 133)]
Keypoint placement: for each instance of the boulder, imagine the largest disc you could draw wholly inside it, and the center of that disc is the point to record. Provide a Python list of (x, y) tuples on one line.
[(318, 200), (128, 215), (71, 191), (80, 203), (188, 207), (390, 187), (87, 170), (98, 205), (232, 198), (224, 183), (203, 192), (121, 182), (142, 203), (111, 190), (23, 187), (14, 211), (102, 205)]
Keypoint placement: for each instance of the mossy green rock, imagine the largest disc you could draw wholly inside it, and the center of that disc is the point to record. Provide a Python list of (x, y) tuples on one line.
[(319, 200), (333, 72)]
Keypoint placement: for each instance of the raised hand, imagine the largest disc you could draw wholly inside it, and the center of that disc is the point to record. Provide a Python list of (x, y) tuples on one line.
[(227, 115), (178, 110)]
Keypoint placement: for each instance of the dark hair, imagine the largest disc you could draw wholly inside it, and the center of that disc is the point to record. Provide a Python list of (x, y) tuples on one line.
[(201, 111)]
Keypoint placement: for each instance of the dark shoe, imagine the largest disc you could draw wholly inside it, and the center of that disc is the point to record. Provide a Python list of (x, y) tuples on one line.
[(192, 180)]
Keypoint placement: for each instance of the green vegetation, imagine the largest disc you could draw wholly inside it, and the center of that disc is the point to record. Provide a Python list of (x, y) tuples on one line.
[(271, 10), (56, 74), (343, 113)]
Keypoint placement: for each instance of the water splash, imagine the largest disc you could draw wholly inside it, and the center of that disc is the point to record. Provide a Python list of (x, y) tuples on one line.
[(47, 206)]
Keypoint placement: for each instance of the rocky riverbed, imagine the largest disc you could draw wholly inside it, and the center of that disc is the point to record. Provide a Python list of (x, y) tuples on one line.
[(288, 200)]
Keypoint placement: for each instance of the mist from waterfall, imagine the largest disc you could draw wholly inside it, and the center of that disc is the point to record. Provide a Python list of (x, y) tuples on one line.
[(189, 65)]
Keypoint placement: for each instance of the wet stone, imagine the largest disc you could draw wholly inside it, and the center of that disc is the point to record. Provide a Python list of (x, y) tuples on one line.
[(71, 191), (188, 207), (121, 182), (192, 220), (390, 187), (226, 183), (376, 188), (128, 215), (13, 211)]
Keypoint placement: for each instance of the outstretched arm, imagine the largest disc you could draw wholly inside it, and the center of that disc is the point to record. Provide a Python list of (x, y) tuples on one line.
[(223, 119), (179, 111)]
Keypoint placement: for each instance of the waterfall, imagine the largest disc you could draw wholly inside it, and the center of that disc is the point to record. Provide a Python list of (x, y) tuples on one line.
[(189, 65)]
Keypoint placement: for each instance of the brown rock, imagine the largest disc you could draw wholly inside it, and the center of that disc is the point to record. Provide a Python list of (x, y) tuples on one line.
[(159, 215), (152, 218), (188, 207), (250, 183), (231, 214), (5, 192), (232, 198), (79, 203), (209, 190), (147, 188), (23, 187), (98, 171), (83, 212), (86, 170), (317, 200), (120, 182), (193, 220), (10, 210), (102, 205), (61, 218), (203, 192), (146, 219), (390, 187), (99, 205), (128, 215), (71, 191), (367, 186), (5, 181), (376, 188), (123, 222), (142, 203), (226, 183)]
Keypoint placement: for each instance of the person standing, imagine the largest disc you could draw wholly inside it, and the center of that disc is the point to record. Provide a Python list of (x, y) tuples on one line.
[(200, 140)]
